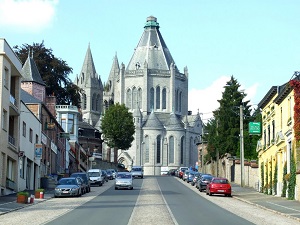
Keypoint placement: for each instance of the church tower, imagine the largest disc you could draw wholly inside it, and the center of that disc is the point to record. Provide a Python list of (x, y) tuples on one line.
[(92, 90)]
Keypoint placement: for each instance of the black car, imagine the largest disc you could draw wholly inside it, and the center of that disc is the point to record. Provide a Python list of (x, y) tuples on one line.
[(104, 174), (86, 180), (109, 174), (202, 183)]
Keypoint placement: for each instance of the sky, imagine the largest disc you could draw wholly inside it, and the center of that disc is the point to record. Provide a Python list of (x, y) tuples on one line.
[(257, 42)]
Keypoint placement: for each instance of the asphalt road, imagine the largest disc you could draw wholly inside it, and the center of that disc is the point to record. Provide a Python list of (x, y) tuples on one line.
[(116, 206)]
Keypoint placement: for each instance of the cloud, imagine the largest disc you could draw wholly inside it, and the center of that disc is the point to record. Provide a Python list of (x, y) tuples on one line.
[(27, 15), (206, 100)]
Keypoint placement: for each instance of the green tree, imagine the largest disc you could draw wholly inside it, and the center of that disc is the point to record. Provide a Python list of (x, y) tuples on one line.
[(54, 72), (224, 128), (117, 127)]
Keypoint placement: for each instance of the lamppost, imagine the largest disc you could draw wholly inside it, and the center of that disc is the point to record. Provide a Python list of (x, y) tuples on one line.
[(242, 146)]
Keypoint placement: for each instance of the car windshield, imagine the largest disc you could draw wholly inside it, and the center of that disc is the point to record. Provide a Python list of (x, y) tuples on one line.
[(136, 169), (207, 178), (94, 174), (67, 182), (124, 176), (221, 181)]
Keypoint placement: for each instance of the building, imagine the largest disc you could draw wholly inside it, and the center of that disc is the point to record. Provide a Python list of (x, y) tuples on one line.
[(10, 82), (156, 92), (278, 144)]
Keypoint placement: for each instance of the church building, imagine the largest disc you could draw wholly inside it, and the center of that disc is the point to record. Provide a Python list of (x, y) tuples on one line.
[(156, 92)]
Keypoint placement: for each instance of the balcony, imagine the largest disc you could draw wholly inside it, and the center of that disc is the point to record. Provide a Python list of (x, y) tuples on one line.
[(14, 111)]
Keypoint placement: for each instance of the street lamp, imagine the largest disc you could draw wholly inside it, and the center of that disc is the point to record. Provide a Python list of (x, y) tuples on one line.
[(242, 146)]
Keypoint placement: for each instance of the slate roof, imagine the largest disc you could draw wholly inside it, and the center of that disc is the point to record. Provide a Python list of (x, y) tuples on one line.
[(151, 49), (153, 122), (28, 98), (30, 72), (174, 122)]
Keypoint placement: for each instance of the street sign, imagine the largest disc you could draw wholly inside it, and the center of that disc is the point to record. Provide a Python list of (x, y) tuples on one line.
[(255, 128), (64, 135)]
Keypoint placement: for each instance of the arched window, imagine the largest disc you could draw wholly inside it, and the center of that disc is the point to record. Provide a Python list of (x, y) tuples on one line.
[(181, 150), (158, 148), (97, 103), (179, 101), (128, 99), (164, 98), (93, 102), (171, 149), (84, 101), (157, 97), (147, 149), (176, 102), (152, 98), (134, 98), (140, 100)]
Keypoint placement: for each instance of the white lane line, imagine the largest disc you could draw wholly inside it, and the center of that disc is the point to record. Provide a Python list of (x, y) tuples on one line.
[(284, 207), (171, 214)]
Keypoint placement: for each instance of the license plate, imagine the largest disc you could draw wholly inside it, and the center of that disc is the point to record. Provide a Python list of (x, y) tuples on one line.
[(65, 192), (220, 190)]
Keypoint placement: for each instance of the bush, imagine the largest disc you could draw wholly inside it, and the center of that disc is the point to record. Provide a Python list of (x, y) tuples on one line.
[(25, 193)]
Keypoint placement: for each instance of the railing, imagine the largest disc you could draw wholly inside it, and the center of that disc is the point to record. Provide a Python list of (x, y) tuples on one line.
[(12, 100), (10, 184), (11, 140)]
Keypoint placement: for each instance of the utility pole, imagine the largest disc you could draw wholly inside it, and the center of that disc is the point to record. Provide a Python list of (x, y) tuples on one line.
[(242, 146)]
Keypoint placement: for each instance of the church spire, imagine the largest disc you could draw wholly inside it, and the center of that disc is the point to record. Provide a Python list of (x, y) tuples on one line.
[(88, 70)]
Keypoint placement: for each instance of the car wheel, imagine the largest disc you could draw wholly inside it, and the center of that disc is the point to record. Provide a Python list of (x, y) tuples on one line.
[(116, 188), (131, 188), (206, 193), (210, 194), (200, 189), (79, 193)]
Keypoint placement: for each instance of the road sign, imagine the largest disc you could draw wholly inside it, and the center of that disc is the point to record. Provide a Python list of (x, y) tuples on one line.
[(255, 128)]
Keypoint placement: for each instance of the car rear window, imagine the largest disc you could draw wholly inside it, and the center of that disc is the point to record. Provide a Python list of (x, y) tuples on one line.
[(94, 174), (136, 169), (220, 181)]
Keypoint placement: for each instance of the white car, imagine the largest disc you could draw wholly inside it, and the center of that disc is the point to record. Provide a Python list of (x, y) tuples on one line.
[(124, 180), (96, 177)]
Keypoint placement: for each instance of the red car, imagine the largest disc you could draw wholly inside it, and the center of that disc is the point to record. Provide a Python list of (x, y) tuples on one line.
[(219, 185)]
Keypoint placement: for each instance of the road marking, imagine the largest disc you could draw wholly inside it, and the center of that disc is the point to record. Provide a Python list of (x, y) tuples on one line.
[(284, 207), (151, 207)]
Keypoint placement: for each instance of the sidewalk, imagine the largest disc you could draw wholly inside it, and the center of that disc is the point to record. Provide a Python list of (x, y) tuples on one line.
[(8, 203), (280, 205)]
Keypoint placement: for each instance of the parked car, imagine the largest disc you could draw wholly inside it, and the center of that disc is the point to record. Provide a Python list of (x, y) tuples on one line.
[(197, 182), (190, 176), (113, 172), (109, 175), (181, 171), (171, 172), (137, 171), (196, 176), (219, 186), (104, 174), (69, 186), (86, 180), (185, 175), (203, 181), (96, 177), (124, 180)]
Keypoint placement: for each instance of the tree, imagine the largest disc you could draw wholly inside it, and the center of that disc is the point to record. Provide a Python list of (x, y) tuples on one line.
[(224, 128), (117, 127), (54, 72)]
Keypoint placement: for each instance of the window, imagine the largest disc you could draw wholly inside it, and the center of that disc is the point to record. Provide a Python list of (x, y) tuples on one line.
[(158, 149), (30, 135), (147, 149), (176, 102), (4, 119), (171, 149), (269, 135), (140, 98), (6, 77), (134, 98), (128, 99), (24, 129), (181, 150), (273, 130), (164, 98), (93, 102), (157, 97), (22, 167), (179, 101), (70, 124), (152, 98), (84, 101), (36, 139)]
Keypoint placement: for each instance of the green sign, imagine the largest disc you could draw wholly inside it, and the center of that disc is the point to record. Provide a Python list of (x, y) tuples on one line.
[(64, 135), (255, 128)]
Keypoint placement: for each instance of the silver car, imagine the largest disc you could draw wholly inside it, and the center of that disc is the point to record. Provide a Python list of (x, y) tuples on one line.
[(124, 180), (70, 186)]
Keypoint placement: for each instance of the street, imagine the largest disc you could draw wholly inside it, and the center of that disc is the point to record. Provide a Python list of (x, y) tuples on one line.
[(154, 200)]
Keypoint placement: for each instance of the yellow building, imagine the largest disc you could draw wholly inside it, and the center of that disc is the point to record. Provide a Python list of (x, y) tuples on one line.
[(278, 144)]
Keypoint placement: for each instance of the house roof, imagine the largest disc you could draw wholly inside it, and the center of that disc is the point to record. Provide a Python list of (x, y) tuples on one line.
[(30, 72)]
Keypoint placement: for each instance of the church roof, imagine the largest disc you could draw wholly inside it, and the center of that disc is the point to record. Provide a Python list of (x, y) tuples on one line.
[(153, 122), (30, 72), (151, 49), (174, 122)]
